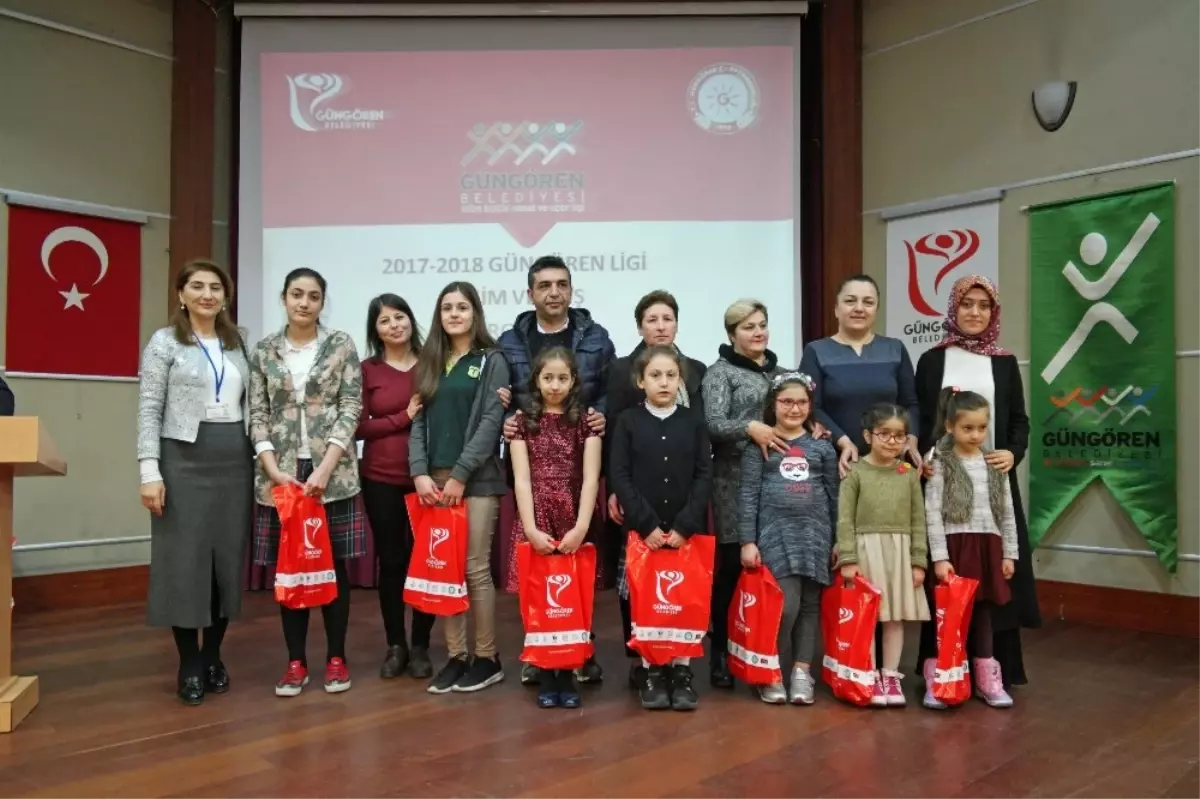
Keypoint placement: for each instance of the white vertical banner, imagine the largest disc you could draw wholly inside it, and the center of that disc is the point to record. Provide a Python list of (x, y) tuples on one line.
[(926, 254)]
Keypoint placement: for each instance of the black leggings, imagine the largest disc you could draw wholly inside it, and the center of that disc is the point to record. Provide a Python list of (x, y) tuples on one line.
[(981, 640), (725, 578), (336, 616), (392, 530), (193, 659)]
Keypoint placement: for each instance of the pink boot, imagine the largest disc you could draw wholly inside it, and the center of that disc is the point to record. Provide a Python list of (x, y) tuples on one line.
[(989, 684)]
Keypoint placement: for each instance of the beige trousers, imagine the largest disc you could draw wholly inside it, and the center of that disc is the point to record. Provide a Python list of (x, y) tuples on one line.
[(482, 514)]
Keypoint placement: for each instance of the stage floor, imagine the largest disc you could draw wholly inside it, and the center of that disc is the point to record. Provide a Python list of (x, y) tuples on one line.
[(1109, 714)]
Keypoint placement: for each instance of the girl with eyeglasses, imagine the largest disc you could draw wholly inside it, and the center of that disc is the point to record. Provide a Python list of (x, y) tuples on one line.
[(788, 507), (881, 535)]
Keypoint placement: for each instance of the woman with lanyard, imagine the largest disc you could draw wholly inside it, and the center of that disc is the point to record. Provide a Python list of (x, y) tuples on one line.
[(855, 369), (970, 356), (734, 389), (196, 475), (305, 404)]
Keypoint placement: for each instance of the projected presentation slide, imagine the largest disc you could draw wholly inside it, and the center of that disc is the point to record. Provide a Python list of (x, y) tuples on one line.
[(644, 169)]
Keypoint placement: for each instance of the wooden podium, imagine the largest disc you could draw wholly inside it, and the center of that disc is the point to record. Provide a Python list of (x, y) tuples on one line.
[(25, 451)]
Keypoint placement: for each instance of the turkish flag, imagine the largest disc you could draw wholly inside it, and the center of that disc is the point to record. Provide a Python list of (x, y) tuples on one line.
[(74, 294)]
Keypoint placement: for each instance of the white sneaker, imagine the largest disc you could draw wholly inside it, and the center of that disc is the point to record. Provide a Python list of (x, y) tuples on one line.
[(802, 689)]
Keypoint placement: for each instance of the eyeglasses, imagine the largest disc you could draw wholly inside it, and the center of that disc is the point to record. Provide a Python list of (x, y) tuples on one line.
[(895, 438), (789, 404)]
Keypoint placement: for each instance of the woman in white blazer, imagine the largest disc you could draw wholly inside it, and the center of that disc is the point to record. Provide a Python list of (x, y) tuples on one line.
[(196, 474)]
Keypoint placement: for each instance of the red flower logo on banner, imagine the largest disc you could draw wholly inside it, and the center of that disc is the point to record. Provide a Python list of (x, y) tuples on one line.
[(952, 247)]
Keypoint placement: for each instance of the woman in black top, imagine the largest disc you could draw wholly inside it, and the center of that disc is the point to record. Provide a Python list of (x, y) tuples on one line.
[(661, 471)]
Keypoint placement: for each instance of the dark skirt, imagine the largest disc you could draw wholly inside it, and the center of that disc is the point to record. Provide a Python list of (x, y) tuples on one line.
[(978, 556), (202, 532), (346, 519)]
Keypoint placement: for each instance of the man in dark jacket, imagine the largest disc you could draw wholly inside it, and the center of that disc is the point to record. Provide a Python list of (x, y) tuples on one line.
[(8, 404), (554, 323)]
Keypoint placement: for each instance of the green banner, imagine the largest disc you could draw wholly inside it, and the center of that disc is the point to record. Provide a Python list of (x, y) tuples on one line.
[(1102, 359)]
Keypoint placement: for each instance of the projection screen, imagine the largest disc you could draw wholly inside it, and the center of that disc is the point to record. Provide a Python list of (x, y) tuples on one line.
[(400, 154)]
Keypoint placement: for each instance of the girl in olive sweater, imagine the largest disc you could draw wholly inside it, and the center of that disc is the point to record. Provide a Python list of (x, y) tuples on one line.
[(881, 535)]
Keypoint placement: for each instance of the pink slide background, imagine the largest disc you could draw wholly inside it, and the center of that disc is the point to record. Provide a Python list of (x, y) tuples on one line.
[(639, 154)]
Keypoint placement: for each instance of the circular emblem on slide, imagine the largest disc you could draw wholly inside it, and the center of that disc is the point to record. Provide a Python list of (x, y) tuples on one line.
[(723, 98)]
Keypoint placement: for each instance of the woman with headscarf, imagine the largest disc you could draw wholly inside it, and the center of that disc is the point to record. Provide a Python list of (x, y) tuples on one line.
[(970, 357)]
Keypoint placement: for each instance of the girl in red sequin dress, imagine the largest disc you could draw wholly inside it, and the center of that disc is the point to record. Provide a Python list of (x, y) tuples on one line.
[(556, 472)]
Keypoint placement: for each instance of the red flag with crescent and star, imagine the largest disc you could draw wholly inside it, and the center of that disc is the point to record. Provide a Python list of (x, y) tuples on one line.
[(74, 295)]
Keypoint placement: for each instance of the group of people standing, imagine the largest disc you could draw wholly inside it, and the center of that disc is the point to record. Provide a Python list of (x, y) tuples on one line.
[(549, 412)]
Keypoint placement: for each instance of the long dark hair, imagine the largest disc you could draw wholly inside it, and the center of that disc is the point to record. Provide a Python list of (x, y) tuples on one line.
[(375, 348), (884, 412), (436, 352), (951, 402), (224, 327), (778, 386), (537, 406)]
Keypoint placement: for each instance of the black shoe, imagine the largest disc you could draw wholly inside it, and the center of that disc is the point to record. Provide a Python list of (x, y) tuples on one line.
[(394, 662), (719, 674), (419, 664), (443, 683), (191, 691), (683, 695), (590, 672), (653, 692), (216, 678), (530, 674), (637, 675), (482, 673)]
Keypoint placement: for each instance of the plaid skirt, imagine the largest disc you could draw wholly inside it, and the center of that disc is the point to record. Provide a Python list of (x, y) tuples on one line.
[(347, 526)]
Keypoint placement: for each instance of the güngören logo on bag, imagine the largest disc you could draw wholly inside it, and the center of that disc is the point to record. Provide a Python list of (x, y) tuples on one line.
[(667, 581), (311, 105), (437, 537), (555, 585)]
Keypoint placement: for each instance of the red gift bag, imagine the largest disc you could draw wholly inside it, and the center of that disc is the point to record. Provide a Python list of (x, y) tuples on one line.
[(556, 594), (669, 595), (754, 619), (437, 572), (954, 600), (304, 576), (848, 616)]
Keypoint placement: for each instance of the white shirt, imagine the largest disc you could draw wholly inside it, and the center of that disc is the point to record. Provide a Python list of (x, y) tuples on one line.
[(231, 381), (972, 372), (299, 361), (662, 413)]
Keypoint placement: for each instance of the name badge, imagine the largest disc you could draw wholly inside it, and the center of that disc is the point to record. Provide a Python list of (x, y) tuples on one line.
[(216, 412)]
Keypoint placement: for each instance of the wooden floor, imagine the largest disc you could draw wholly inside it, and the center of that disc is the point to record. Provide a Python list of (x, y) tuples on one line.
[(1109, 714)]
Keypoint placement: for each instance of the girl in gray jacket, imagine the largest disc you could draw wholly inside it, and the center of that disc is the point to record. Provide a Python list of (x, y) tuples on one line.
[(788, 514)]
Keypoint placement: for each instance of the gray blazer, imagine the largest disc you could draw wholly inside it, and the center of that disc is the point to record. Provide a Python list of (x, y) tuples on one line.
[(479, 468), (171, 393)]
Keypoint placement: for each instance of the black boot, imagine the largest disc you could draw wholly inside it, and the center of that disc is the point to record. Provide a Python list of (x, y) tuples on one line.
[(719, 674), (654, 693), (683, 695), (216, 678), (419, 665), (394, 662), (191, 690)]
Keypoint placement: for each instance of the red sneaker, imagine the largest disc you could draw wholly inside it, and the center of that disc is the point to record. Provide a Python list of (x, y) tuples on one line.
[(293, 680), (337, 676)]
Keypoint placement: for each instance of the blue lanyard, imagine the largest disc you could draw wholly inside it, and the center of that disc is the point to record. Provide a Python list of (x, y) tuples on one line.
[(220, 378)]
